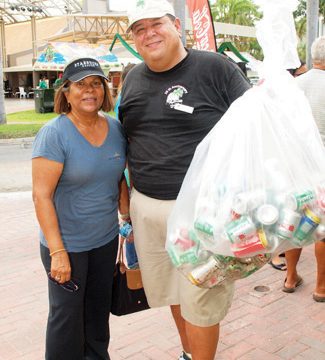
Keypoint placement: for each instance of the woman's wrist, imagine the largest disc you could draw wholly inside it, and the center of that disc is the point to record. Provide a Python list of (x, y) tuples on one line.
[(125, 217), (57, 251)]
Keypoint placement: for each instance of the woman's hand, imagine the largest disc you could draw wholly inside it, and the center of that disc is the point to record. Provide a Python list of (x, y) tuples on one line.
[(60, 267)]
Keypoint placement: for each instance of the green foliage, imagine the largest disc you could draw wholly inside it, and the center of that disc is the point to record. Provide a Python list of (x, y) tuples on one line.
[(301, 11), (240, 12), (300, 16), (18, 130)]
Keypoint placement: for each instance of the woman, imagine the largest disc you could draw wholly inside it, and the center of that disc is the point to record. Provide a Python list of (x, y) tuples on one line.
[(78, 163)]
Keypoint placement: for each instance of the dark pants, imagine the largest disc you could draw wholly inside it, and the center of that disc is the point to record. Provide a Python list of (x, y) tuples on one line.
[(77, 327)]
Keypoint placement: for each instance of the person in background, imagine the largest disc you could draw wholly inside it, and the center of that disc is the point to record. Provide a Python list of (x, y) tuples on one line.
[(78, 163), (299, 70), (169, 103), (42, 83), (125, 71), (130, 252), (58, 81), (313, 85)]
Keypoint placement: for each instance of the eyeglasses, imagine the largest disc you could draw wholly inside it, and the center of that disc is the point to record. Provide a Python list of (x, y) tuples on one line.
[(83, 85), (70, 285)]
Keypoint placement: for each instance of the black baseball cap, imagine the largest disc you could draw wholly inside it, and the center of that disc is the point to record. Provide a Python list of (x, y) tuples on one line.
[(79, 69)]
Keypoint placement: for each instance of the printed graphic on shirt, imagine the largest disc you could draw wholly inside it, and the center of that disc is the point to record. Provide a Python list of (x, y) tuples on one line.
[(175, 95)]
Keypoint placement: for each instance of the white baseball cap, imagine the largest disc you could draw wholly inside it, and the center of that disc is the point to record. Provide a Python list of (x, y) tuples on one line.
[(148, 9)]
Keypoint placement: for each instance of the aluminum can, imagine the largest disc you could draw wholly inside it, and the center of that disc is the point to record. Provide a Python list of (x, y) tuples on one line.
[(307, 225), (184, 240), (288, 223), (180, 257), (125, 230), (252, 245), (241, 229), (204, 225), (298, 200), (267, 214), (246, 201), (202, 273)]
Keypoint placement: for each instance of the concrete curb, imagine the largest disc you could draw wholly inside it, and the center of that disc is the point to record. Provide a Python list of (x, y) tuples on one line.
[(23, 142)]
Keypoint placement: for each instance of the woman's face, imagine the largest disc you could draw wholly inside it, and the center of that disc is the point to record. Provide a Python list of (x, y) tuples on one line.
[(86, 95)]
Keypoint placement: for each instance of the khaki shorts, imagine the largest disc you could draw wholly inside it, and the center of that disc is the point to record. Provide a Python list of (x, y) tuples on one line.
[(163, 283)]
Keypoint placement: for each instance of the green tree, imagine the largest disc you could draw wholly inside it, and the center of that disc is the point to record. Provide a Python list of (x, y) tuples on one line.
[(240, 12), (300, 16)]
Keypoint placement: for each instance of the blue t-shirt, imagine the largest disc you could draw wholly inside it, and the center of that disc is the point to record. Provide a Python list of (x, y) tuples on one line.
[(86, 197)]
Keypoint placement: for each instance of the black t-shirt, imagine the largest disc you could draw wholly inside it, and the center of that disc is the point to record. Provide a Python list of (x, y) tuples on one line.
[(166, 114)]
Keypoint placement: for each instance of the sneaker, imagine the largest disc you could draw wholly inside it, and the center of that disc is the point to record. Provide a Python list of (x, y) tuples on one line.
[(184, 356)]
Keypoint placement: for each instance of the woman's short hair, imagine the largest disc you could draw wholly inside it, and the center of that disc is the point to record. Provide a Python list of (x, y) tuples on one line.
[(318, 51), (61, 105)]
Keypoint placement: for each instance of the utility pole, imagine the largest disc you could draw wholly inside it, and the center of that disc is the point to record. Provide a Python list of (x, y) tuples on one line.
[(2, 101), (179, 6), (312, 27)]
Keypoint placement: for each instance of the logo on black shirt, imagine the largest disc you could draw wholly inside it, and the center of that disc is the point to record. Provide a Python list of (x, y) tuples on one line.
[(175, 95)]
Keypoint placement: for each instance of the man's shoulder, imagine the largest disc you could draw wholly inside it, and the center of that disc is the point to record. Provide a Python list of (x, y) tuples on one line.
[(137, 69), (203, 54), (213, 58), (311, 76)]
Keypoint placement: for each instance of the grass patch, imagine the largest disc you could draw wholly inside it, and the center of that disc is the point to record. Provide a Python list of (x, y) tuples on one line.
[(11, 131), (30, 116)]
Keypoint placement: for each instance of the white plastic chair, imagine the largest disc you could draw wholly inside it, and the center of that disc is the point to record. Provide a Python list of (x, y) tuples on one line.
[(22, 93)]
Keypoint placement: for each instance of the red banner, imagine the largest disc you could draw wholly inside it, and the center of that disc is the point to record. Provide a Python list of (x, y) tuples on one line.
[(202, 22)]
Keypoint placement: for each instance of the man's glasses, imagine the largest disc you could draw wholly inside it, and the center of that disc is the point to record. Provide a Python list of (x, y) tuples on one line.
[(70, 285)]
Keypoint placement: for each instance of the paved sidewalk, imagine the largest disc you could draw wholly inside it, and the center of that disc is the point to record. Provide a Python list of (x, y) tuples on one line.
[(269, 325), (13, 105)]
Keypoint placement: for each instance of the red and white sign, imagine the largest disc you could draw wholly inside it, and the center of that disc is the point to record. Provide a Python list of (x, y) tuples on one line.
[(202, 24)]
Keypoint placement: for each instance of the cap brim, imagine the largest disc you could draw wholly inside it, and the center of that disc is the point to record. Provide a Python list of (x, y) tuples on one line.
[(83, 74), (149, 16)]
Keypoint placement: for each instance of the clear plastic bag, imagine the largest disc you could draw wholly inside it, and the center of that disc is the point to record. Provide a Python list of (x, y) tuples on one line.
[(255, 186)]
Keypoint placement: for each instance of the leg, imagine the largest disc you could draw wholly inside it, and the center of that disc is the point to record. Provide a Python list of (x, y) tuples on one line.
[(278, 263), (203, 341), (292, 258), (200, 342), (180, 323), (98, 300), (202, 310), (320, 258), (65, 325)]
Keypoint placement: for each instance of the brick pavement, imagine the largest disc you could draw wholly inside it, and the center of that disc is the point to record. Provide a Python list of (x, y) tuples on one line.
[(269, 325)]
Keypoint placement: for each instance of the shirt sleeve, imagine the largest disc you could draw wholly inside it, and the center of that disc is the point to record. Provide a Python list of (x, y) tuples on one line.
[(238, 85), (48, 144)]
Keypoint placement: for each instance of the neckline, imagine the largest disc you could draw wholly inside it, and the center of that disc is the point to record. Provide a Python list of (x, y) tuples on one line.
[(82, 136), (177, 66)]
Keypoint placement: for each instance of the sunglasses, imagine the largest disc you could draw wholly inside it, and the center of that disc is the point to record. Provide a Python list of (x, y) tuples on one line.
[(70, 285)]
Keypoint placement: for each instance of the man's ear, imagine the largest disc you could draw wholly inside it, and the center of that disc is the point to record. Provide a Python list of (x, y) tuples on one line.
[(178, 26)]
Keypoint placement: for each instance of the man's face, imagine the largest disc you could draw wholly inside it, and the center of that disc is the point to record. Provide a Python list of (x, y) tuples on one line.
[(158, 42)]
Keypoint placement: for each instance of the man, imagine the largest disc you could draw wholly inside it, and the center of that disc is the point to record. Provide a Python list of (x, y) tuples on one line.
[(169, 104), (313, 85)]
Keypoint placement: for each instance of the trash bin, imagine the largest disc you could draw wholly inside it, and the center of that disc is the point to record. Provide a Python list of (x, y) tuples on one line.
[(44, 100)]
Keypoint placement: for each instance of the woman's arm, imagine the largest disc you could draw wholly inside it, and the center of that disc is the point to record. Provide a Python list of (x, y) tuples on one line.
[(46, 174), (124, 201)]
